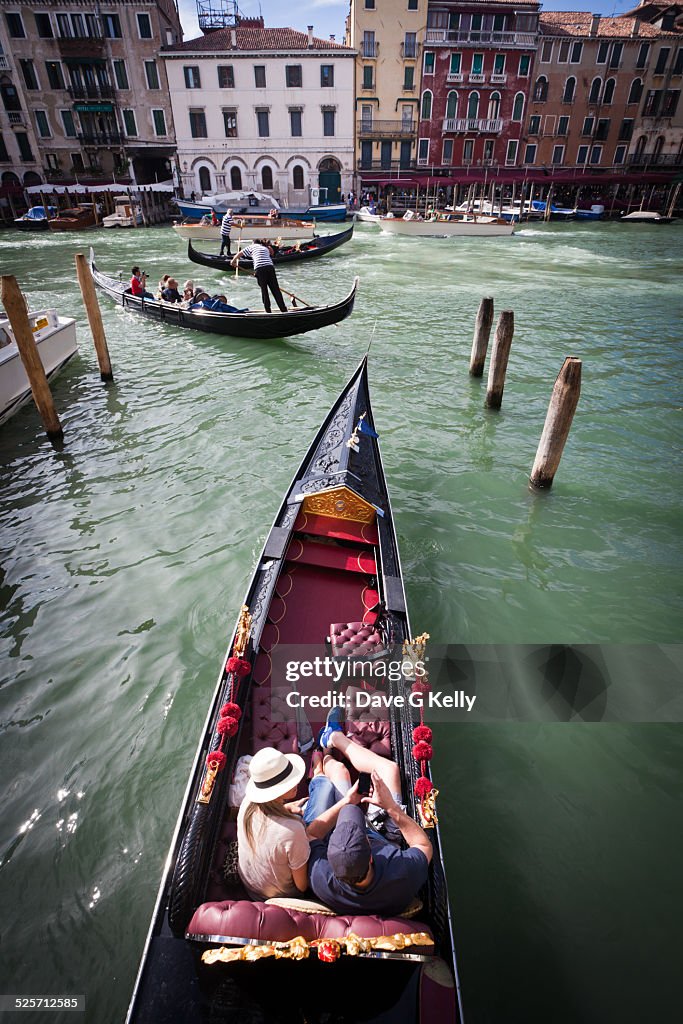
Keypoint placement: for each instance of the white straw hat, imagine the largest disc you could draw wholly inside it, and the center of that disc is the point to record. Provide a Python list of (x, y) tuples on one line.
[(272, 774)]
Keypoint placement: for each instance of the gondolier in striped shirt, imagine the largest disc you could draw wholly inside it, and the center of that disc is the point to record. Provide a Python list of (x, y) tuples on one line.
[(226, 227), (261, 255)]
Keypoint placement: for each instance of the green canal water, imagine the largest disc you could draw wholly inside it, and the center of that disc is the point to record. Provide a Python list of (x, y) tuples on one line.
[(126, 553)]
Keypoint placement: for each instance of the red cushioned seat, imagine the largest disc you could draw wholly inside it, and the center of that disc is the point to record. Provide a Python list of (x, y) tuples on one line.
[(340, 529), (356, 640), (331, 556), (237, 922)]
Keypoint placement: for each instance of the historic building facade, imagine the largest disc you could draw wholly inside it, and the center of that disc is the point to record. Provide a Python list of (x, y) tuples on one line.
[(388, 38), (477, 65), (84, 94), (604, 94), (262, 108)]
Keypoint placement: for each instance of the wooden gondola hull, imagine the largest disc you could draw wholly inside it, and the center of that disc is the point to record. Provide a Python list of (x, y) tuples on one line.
[(334, 521), (285, 254), (256, 325)]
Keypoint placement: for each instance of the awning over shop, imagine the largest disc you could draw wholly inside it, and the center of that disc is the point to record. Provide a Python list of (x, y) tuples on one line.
[(159, 186)]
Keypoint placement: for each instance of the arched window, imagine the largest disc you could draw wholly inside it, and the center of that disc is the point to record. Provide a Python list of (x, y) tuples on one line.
[(608, 94), (9, 178), (541, 88), (494, 106), (473, 105), (636, 91), (452, 104), (640, 147), (569, 88), (594, 94), (298, 176), (267, 178), (204, 179), (518, 107), (235, 178), (657, 150), (426, 111)]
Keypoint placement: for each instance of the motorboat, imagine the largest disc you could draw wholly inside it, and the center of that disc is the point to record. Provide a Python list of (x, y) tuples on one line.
[(55, 337), (127, 214), (35, 219)]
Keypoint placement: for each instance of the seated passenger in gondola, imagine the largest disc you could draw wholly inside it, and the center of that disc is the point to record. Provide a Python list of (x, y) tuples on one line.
[(353, 868), (215, 303), (137, 284), (170, 292)]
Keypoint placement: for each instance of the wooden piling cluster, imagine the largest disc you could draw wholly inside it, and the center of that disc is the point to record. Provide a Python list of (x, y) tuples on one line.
[(563, 401)]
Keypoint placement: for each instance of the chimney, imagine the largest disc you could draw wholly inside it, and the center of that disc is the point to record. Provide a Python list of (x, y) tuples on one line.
[(332, 38), (233, 38), (310, 35), (594, 25), (636, 28)]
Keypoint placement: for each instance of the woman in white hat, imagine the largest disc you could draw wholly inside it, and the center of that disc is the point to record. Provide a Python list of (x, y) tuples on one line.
[(271, 836)]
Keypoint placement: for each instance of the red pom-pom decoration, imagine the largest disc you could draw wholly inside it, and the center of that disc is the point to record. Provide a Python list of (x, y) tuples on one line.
[(422, 751), (232, 710), (238, 666), (227, 726), (422, 732), (423, 787), (420, 686), (216, 759), (328, 951)]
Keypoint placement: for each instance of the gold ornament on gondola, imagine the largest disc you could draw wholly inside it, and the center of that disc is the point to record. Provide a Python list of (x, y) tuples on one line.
[(326, 949), (242, 633), (427, 809)]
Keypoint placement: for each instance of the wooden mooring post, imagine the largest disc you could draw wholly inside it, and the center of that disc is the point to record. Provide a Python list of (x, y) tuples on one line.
[(15, 307), (482, 333), (561, 409), (499, 358), (92, 308)]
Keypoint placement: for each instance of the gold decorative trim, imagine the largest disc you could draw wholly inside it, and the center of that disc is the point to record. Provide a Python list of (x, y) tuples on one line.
[(339, 503), (426, 809), (242, 633), (299, 949)]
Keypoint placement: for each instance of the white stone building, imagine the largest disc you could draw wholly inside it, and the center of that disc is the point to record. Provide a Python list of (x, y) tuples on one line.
[(270, 109)]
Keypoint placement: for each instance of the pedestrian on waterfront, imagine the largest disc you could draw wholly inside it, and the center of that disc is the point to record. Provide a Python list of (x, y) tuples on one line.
[(261, 255), (137, 284), (192, 196), (226, 228)]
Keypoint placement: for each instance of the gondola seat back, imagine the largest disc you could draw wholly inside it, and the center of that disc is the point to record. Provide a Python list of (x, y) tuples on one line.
[(241, 922)]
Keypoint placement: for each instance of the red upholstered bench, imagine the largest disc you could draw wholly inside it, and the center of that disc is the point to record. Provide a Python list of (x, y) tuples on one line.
[(239, 922), (356, 640)]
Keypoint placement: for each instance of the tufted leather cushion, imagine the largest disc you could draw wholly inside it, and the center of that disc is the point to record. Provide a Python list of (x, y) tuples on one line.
[(355, 639), (241, 919), (269, 725), (367, 726)]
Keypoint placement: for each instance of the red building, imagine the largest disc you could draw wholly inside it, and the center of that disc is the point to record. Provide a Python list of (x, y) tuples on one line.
[(476, 77)]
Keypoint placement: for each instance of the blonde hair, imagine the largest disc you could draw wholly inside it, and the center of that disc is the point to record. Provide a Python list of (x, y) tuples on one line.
[(271, 809)]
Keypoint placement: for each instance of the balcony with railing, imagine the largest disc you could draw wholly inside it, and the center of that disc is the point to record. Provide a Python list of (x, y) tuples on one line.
[(409, 51), (385, 165), (455, 76), (100, 138), (386, 129), (91, 92), (4, 63), (476, 78), (480, 125), (446, 37), (369, 49), (17, 118), (655, 160), (499, 79)]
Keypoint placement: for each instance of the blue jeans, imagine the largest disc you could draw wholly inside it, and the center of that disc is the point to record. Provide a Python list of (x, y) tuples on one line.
[(322, 794)]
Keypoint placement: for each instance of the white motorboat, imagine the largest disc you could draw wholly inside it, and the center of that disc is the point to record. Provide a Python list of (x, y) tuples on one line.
[(126, 214), (248, 228), (366, 216), (56, 340), (445, 225), (646, 217)]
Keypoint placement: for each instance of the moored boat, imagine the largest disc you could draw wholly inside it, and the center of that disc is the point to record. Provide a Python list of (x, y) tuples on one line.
[(35, 219), (246, 324), (446, 226), (645, 217), (127, 214), (316, 247), (366, 216), (331, 555), (247, 229), (55, 337), (78, 218)]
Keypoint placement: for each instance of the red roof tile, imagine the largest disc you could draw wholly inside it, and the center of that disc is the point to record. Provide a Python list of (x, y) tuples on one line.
[(258, 39), (577, 23)]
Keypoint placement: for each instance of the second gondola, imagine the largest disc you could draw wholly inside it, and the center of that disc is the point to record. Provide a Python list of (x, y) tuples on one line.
[(320, 245)]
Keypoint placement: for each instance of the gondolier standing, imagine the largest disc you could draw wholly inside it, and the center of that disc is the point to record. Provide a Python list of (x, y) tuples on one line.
[(226, 227), (261, 254)]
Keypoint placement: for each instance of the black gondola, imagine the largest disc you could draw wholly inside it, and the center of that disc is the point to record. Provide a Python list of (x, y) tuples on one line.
[(332, 552), (317, 246), (252, 324)]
